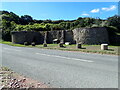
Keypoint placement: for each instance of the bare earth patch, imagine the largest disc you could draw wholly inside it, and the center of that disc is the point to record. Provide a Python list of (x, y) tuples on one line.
[(10, 80)]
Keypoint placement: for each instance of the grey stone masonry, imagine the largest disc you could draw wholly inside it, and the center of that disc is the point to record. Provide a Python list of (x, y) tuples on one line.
[(91, 36)]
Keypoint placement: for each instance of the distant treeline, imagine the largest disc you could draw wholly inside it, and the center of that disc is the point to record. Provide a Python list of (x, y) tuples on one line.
[(12, 22)]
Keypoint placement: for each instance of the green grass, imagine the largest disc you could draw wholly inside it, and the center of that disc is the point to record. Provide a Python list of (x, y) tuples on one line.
[(12, 44), (85, 48)]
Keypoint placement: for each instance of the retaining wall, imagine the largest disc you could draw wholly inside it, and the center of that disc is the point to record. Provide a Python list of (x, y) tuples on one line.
[(80, 35), (96, 35)]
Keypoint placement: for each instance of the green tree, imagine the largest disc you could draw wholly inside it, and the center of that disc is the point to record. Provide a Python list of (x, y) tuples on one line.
[(114, 21), (26, 19)]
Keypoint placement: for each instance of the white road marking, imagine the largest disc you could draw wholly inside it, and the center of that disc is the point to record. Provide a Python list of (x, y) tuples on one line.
[(11, 49), (76, 59), (17, 47)]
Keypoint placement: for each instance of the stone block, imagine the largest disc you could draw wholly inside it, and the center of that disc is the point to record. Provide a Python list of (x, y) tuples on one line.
[(33, 43), (104, 46), (78, 45), (26, 43), (60, 45), (67, 43), (44, 44), (55, 41)]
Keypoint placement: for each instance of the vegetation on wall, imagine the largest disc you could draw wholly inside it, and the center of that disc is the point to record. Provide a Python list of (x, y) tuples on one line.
[(12, 22)]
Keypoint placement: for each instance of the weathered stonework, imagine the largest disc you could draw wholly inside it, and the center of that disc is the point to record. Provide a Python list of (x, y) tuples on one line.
[(91, 35), (69, 36), (51, 35), (79, 35), (25, 36), (62, 35)]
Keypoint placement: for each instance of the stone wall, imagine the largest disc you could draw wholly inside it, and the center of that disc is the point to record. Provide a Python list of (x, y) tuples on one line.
[(79, 35), (51, 35), (25, 36), (114, 39), (91, 36), (62, 35), (69, 37)]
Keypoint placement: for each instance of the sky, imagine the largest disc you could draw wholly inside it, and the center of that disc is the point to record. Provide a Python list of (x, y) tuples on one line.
[(62, 10), (60, 0)]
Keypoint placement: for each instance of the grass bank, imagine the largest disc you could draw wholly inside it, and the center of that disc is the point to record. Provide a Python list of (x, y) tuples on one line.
[(113, 50)]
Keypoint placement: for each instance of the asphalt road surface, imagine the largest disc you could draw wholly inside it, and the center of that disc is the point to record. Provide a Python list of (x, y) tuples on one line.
[(63, 69)]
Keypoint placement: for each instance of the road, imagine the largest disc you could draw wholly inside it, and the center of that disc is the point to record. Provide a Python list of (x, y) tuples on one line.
[(63, 69)]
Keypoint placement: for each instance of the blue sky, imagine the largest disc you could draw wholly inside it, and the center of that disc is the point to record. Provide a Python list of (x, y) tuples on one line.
[(62, 10)]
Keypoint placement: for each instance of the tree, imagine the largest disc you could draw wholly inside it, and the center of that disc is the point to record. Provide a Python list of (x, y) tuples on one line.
[(114, 21), (26, 19), (11, 17), (12, 22), (7, 27)]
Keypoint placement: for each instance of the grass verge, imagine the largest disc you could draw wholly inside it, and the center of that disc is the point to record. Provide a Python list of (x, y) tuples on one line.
[(113, 50)]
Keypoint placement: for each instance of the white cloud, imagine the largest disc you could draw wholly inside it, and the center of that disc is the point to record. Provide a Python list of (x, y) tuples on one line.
[(85, 14), (95, 10), (113, 7)]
